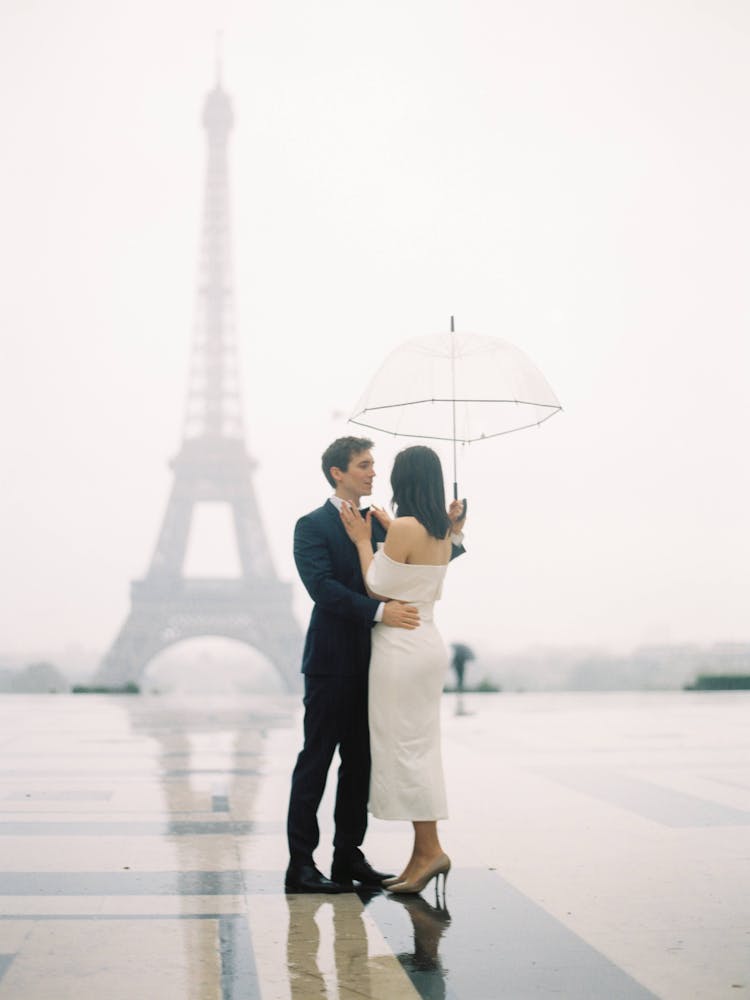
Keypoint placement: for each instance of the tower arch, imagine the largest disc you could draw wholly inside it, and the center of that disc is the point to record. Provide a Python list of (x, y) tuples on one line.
[(211, 665)]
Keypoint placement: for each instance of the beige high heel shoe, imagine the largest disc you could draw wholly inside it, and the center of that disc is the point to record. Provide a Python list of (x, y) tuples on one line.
[(439, 867)]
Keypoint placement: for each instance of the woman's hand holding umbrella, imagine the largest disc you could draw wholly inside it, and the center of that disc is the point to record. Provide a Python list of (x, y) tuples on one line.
[(457, 515)]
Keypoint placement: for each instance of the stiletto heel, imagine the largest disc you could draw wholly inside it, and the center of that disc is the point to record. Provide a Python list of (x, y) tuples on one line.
[(435, 870), (438, 902)]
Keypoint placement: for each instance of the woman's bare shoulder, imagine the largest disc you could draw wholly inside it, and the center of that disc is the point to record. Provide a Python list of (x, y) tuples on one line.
[(405, 526), (403, 534)]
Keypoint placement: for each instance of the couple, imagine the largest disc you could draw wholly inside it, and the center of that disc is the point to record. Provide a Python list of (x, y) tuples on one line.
[(356, 583)]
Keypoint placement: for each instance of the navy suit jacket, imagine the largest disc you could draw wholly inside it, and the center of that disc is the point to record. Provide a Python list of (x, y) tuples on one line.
[(338, 637)]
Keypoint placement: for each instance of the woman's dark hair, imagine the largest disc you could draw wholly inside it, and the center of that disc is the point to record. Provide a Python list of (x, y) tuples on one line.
[(418, 490)]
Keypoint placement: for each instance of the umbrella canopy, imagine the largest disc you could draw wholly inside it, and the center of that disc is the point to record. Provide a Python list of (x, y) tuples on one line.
[(458, 387), (455, 387)]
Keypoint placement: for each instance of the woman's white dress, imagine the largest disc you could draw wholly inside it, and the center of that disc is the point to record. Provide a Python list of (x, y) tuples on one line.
[(407, 673)]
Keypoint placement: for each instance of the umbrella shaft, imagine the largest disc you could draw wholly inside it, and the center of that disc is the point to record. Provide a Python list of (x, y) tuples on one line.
[(453, 387)]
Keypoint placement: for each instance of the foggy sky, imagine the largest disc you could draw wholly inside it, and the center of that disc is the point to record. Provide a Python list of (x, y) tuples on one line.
[(571, 177)]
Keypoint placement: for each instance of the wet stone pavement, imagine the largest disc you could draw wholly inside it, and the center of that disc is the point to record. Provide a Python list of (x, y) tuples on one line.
[(600, 846)]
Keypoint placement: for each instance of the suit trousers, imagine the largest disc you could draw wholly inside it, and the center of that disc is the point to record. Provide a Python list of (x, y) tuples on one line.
[(335, 715)]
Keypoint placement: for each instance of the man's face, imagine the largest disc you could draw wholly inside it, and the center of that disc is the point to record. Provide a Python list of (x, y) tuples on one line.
[(356, 481)]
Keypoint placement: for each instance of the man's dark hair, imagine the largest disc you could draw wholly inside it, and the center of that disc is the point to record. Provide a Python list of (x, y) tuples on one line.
[(418, 489), (339, 454)]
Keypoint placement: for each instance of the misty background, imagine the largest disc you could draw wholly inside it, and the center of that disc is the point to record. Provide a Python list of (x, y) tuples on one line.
[(569, 176)]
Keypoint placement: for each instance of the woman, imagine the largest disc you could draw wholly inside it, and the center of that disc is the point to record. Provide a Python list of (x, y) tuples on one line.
[(408, 667)]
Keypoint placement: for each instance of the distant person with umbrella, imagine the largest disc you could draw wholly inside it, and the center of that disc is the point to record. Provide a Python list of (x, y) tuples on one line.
[(408, 667), (462, 654)]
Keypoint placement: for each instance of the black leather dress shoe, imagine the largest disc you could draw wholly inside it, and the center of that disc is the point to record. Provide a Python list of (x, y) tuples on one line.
[(307, 878), (356, 870)]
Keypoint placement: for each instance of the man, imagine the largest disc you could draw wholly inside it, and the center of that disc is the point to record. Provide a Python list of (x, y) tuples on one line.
[(335, 663)]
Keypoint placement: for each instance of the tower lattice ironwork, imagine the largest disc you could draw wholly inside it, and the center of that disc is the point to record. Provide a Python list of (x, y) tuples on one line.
[(213, 465)]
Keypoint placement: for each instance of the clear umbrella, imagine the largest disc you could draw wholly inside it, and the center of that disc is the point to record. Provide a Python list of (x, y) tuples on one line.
[(458, 387)]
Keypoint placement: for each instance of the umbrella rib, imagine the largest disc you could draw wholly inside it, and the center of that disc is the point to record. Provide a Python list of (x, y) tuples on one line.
[(440, 437), (512, 430), (440, 399)]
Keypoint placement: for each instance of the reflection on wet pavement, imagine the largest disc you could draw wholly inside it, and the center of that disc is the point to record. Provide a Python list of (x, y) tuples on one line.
[(143, 850), (361, 965), (422, 964)]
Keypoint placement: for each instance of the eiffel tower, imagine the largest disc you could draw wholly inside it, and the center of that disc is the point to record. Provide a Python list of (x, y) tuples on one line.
[(213, 465)]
